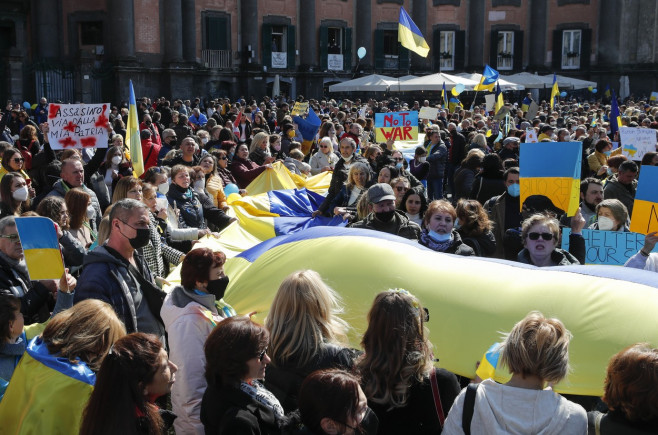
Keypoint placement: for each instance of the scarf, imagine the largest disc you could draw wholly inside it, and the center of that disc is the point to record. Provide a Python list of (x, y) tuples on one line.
[(260, 394), (426, 240), (17, 266)]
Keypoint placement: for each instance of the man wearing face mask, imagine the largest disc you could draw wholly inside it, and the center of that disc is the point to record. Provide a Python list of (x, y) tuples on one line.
[(383, 215), (116, 272), (147, 124), (504, 210), (190, 312), (169, 142)]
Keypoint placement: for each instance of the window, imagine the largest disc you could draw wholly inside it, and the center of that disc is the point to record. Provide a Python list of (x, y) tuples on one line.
[(216, 33), (279, 43), (505, 50), (91, 33), (571, 49), (335, 42), (447, 50), (391, 49)]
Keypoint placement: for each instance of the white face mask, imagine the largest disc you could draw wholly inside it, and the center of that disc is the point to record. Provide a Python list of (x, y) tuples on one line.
[(116, 160), (204, 140), (91, 212), (163, 188), (199, 185), (20, 194), (422, 159), (605, 223)]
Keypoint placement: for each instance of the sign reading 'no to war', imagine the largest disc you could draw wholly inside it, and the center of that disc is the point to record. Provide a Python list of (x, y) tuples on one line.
[(78, 125), (400, 126)]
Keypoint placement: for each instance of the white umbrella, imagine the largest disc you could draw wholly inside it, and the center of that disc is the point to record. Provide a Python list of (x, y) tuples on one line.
[(276, 87), (372, 83), (572, 82), (624, 87), (434, 82), (505, 85)]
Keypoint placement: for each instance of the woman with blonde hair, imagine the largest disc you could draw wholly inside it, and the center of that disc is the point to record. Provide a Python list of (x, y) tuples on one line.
[(397, 372), (536, 352), (355, 186), (53, 381), (259, 151), (325, 159), (306, 334)]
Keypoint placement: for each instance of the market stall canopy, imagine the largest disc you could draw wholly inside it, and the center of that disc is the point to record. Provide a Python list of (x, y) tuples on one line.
[(534, 81), (370, 83), (575, 83), (505, 83), (433, 82)]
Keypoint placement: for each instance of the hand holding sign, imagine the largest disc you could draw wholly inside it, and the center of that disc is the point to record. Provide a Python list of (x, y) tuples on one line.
[(650, 242)]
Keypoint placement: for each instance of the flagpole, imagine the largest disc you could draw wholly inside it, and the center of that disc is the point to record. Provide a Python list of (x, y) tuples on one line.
[(474, 98)]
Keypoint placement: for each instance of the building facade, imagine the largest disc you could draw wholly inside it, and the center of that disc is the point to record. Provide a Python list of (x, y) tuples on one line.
[(88, 50)]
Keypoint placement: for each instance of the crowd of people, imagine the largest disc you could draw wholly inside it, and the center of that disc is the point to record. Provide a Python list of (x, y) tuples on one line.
[(132, 348)]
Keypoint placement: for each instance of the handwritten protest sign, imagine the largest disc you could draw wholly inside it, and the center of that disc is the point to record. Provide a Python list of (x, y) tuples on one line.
[(645, 206), (490, 101), (428, 113), (78, 125), (551, 169), (402, 126), (607, 247), (636, 142), (299, 109), (531, 136)]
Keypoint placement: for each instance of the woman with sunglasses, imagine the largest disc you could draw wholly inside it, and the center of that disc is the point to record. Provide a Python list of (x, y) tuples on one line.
[(235, 402), (397, 370), (13, 161), (541, 234), (325, 159)]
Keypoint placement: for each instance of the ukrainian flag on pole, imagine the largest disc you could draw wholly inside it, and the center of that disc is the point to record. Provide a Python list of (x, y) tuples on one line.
[(133, 141), (488, 80), (555, 91), (409, 35)]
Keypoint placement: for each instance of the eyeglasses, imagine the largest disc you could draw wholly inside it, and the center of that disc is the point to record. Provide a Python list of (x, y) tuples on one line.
[(18, 160), (545, 236), (262, 354), (222, 158), (324, 146), (400, 188), (13, 237)]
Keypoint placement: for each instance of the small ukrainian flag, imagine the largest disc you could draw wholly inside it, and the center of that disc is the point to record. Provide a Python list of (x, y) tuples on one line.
[(409, 35), (41, 247)]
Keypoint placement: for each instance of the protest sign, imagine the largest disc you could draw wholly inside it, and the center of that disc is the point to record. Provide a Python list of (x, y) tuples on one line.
[(636, 142), (402, 126), (645, 206), (613, 248), (490, 101), (299, 109), (532, 110), (430, 113), (531, 136), (654, 96), (78, 125), (552, 169)]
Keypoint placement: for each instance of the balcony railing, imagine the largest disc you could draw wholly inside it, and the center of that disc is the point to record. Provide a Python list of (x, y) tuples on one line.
[(216, 58)]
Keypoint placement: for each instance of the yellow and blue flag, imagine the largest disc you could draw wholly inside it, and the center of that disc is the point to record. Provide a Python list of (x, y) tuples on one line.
[(489, 362), (133, 139), (607, 92), (308, 128), (41, 247), (47, 393), (444, 95), (552, 170), (488, 80), (645, 206), (500, 102), (453, 103), (525, 104), (555, 91), (615, 118), (409, 35)]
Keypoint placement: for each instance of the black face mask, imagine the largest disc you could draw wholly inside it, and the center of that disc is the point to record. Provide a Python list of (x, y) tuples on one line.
[(173, 142), (147, 122), (385, 216), (370, 423), (217, 287), (141, 239)]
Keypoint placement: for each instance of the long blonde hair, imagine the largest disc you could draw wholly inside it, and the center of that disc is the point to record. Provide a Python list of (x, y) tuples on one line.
[(304, 316), (397, 351), (257, 140)]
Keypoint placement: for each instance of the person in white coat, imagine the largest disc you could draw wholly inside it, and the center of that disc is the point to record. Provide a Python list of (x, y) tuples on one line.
[(536, 353), (190, 312), (325, 159)]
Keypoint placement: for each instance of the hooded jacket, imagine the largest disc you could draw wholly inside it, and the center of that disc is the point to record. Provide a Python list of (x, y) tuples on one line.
[(501, 409)]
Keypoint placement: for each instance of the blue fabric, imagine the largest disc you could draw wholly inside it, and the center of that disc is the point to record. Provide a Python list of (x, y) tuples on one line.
[(290, 202), (38, 350)]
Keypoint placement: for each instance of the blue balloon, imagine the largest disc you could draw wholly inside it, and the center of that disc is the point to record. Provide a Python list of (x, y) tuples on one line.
[(231, 188), (563, 94), (26, 104), (361, 52), (594, 91), (459, 87)]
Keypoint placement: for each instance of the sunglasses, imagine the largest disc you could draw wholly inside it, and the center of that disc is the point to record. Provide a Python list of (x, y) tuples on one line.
[(222, 158), (262, 354), (545, 236), (18, 160), (400, 159), (324, 146), (400, 188)]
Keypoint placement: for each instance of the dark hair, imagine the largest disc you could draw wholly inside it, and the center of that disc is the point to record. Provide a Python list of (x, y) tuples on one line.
[(584, 185), (423, 200), (6, 195), (472, 161), (628, 165), (601, 144), (6, 157), (646, 160), (9, 304), (420, 151), (152, 172), (229, 346), (51, 207), (118, 394), (197, 264), (395, 173), (474, 219), (330, 394), (77, 201), (513, 170), (615, 161), (492, 166)]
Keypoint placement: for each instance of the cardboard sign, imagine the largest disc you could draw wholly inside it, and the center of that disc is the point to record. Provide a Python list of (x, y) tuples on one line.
[(399, 126), (531, 136), (532, 111), (636, 142), (613, 248), (78, 125), (490, 101), (430, 113), (645, 206), (552, 169), (299, 109)]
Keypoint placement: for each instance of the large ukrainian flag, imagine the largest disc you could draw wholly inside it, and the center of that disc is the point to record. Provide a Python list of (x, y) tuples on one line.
[(645, 206), (133, 139), (552, 169), (409, 35), (41, 247)]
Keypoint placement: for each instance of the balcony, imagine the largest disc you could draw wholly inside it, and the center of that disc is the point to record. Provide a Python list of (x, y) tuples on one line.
[(216, 59)]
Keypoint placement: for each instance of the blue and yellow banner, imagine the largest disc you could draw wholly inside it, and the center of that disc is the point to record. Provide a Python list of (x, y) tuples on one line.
[(500, 102), (645, 206), (525, 104), (308, 128), (488, 80), (399, 126), (552, 169), (409, 35), (41, 247), (133, 139)]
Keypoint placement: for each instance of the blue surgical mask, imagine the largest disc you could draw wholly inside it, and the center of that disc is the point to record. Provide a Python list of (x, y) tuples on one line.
[(610, 173), (607, 153), (514, 190), (457, 224), (398, 165), (439, 237)]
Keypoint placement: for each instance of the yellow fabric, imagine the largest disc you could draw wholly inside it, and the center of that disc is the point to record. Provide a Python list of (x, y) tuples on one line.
[(44, 263), (215, 188), (277, 178), (413, 42)]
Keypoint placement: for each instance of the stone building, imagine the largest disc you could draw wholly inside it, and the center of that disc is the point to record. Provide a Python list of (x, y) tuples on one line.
[(87, 50)]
